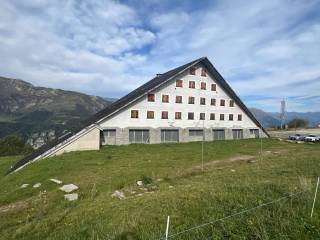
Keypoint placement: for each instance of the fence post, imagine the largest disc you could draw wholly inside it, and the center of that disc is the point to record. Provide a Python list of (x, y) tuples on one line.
[(315, 196), (167, 229)]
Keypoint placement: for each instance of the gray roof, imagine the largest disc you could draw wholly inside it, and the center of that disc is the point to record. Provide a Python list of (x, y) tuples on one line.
[(136, 94)]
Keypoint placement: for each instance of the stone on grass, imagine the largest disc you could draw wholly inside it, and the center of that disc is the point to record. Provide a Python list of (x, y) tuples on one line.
[(37, 185), (139, 183), (24, 185), (71, 196), (68, 188), (55, 181), (171, 186), (118, 194), (232, 170)]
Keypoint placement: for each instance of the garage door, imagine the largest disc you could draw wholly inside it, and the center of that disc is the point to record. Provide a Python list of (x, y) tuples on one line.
[(139, 136), (237, 133), (169, 135), (218, 134)]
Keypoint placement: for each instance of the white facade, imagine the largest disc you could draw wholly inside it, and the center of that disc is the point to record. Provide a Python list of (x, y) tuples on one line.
[(123, 118)]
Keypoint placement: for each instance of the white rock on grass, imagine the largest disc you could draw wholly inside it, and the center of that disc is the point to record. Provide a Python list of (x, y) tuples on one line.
[(24, 185), (118, 194), (69, 188), (139, 183), (55, 181), (71, 196), (37, 185)]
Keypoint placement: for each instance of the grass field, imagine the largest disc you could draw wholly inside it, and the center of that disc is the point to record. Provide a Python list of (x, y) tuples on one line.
[(234, 178)]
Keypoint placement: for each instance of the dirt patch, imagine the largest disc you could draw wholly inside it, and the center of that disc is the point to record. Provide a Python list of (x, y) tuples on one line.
[(13, 207)]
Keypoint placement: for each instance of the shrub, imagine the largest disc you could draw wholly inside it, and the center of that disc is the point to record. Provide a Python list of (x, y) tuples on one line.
[(14, 145)]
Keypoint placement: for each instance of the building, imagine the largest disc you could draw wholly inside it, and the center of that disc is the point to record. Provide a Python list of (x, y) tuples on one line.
[(189, 103)]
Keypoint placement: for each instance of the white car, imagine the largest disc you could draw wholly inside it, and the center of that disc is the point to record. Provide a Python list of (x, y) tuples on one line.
[(311, 138)]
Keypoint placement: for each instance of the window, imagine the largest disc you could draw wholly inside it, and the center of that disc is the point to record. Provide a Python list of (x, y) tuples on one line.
[(150, 114), (193, 71), (202, 116), (203, 72), (221, 117), (108, 136), (213, 87), (178, 99), (222, 102), (165, 98), (177, 115), (218, 134), (231, 103), (190, 115), (212, 116), (192, 84), (151, 97), (230, 117), (139, 136), (202, 101), (213, 101), (164, 115), (179, 83), (134, 114), (191, 100), (195, 132), (109, 132), (239, 117), (169, 135), (254, 132), (237, 133), (203, 85)]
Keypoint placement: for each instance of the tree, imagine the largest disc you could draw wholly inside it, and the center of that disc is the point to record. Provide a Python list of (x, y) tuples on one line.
[(14, 145), (298, 123)]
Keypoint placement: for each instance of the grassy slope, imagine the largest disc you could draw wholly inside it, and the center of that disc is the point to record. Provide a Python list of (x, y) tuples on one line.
[(196, 197)]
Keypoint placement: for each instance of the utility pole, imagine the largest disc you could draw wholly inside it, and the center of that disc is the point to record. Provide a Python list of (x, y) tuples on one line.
[(283, 114)]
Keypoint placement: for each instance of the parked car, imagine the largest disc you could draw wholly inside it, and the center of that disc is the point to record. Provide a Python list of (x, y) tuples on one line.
[(297, 137), (312, 138)]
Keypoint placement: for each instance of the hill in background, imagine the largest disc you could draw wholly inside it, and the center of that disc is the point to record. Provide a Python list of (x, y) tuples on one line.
[(33, 112)]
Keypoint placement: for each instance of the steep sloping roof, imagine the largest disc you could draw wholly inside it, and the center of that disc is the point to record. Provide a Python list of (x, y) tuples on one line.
[(136, 94)]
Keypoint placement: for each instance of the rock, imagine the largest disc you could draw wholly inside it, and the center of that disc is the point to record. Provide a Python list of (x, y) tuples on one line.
[(300, 142), (37, 185), (69, 188), (251, 161), (171, 186), (24, 185), (232, 170), (159, 179), (139, 183), (118, 194), (55, 181), (71, 196)]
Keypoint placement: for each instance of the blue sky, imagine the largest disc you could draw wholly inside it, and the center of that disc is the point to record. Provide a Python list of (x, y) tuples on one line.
[(266, 50)]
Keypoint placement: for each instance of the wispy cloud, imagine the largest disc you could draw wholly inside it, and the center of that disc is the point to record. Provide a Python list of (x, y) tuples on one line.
[(267, 50)]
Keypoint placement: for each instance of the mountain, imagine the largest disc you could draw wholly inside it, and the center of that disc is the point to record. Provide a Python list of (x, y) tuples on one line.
[(272, 119), (28, 110)]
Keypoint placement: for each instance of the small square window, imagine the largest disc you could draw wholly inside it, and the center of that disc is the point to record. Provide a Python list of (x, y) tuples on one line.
[(213, 87), (212, 116), (150, 114), (151, 97), (191, 100), (239, 117), (179, 83), (230, 117), (231, 103), (221, 117), (178, 99), (222, 102), (202, 116), (192, 84), (134, 114), (164, 115), (178, 115), (202, 101), (192, 70), (203, 72), (203, 85), (190, 115), (165, 98), (213, 101)]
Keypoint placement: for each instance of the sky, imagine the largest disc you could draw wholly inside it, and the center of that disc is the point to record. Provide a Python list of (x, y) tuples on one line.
[(266, 50)]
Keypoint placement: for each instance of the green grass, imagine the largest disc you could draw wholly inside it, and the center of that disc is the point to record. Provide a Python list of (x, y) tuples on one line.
[(229, 184)]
